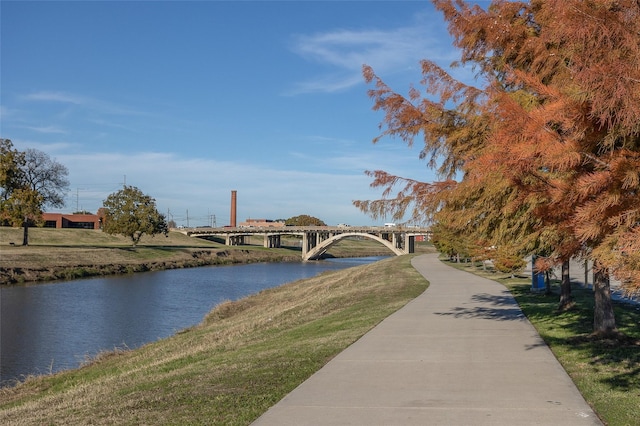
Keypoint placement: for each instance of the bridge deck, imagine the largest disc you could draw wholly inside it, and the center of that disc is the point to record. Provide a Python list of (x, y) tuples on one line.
[(302, 229), (317, 239)]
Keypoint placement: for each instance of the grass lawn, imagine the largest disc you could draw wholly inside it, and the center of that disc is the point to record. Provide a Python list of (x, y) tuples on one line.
[(246, 355), (607, 372)]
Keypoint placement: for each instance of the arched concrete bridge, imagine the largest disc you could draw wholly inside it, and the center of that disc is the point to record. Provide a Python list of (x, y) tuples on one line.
[(316, 240)]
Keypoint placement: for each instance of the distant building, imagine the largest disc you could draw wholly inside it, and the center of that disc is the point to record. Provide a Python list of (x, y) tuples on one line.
[(261, 223), (78, 221)]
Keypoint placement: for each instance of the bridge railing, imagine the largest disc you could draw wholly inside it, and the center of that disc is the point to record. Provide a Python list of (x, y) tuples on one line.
[(300, 229)]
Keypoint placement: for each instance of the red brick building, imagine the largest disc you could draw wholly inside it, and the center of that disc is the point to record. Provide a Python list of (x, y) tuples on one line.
[(261, 223), (78, 221)]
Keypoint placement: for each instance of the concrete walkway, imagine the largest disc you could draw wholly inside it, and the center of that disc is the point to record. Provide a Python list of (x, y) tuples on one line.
[(462, 353)]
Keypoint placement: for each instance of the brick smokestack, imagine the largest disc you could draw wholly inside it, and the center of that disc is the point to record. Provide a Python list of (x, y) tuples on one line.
[(234, 200)]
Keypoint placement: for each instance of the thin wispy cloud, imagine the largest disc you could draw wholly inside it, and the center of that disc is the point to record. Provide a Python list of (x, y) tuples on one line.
[(102, 106), (46, 129), (188, 183), (329, 83), (344, 52), (52, 149), (4, 112), (113, 124), (354, 159), (193, 115), (49, 96)]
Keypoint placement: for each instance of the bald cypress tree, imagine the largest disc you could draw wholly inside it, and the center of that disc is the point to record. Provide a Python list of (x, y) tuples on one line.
[(545, 149)]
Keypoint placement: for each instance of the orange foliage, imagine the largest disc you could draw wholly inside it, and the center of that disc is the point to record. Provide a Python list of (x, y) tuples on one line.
[(549, 147)]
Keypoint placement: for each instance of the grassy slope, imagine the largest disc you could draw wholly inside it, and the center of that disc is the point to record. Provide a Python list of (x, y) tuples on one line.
[(80, 238), (74, 253), (248, 354), (244, 357)]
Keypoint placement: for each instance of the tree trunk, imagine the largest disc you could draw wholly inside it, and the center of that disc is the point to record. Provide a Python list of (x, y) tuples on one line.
[(25, 233), (547, 283), (565, 287), (586, 272), (604, 321)]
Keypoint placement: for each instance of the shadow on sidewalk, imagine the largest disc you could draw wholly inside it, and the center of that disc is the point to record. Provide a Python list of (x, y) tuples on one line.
[(489, 306)]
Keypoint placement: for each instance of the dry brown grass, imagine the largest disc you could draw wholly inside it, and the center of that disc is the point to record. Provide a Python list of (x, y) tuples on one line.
[(244, 357), (90, 238), (73, 246), (74, 253), (54, 254)]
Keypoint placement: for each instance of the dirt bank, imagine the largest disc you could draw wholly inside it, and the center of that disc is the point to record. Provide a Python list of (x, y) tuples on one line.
[(72, 262), (76, 267)]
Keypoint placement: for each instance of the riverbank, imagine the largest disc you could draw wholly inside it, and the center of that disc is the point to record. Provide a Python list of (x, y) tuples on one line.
[(246, 355), (239, 361), (63, 254)]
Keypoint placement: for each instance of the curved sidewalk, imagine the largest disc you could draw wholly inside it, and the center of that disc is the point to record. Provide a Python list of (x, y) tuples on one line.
[(462, 353)]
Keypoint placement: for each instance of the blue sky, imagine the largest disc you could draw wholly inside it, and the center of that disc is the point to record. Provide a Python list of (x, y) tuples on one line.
[(190, 100)]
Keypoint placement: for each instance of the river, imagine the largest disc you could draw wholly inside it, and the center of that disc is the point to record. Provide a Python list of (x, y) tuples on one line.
[(46, 328)]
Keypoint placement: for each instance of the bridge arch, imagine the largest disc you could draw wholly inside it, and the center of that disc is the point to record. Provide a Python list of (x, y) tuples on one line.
[(321, 248)]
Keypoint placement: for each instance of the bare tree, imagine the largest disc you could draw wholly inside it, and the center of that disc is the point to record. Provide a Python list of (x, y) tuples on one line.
[(30, 181), (45, 176)]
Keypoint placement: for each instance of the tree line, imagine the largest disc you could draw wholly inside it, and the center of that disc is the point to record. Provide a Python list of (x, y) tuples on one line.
[(30, 181), (541, 155)]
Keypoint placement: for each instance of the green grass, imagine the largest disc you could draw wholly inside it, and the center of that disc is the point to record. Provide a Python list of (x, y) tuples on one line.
[(242, 359), (248, 354), (606, 371)]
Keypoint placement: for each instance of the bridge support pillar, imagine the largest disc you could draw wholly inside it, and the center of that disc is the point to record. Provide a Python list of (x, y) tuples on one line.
[(309, 241), (272, 241), (410, 244), (305, 244), (400, 241), (234, 240)]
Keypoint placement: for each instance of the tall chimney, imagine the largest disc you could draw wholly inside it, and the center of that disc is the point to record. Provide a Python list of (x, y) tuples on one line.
[(234, 200)]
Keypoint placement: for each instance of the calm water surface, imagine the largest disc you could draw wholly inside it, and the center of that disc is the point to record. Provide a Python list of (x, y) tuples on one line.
[(46, 328)]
